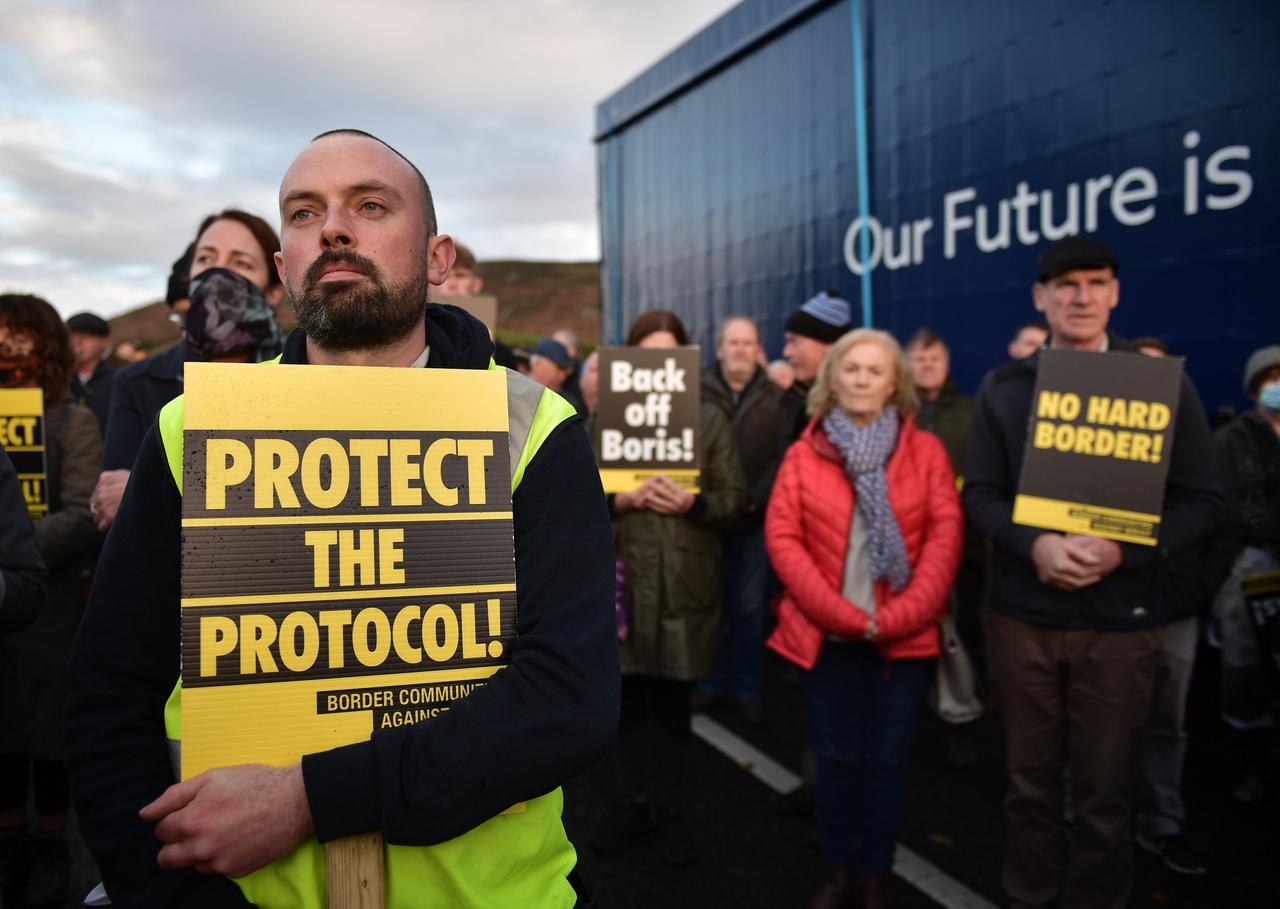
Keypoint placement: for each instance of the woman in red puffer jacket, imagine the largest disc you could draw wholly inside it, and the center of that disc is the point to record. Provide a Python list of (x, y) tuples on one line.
[(865, 530)]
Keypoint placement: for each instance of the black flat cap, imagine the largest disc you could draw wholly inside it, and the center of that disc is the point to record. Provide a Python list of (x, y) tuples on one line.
[(1075, 252), (89, 324), (554, 351)]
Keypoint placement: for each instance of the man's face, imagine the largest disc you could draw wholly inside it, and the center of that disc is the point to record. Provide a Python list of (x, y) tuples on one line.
[(929, 367), (1026, 342), (805, 355), (88, 349), (462, 282), (1077, 305), (355, 257), (545, 371), (738, 350)]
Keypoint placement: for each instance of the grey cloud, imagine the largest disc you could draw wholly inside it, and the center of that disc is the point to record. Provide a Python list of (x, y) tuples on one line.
[(494, 99)]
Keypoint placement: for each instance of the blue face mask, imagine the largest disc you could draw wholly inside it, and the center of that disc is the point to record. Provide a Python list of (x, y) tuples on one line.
[(1269, 398)]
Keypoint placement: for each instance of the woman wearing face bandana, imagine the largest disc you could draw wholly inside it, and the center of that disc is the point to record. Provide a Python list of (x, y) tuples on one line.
[(233, 292), (35, 352)]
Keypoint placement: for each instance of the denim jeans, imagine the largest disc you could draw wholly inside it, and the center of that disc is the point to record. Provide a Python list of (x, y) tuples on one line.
[(1158, 797), (743, 597), (862, 713)]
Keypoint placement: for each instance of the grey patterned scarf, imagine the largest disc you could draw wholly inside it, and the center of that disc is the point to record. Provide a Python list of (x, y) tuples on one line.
[(866, 450)]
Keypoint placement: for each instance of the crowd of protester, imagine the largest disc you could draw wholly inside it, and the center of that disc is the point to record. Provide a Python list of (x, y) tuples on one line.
[(828, 527), (851, 547)]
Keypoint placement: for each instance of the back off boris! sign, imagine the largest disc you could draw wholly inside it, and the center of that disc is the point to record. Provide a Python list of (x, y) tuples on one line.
[(1099, 440), (348, 560), (647, 418), (22, 428)]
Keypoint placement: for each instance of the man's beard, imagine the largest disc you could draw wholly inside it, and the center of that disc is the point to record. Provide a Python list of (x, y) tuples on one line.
[(352, 315), (737, 371)]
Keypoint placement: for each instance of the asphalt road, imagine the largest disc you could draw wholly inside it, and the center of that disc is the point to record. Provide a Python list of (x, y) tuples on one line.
[(750, 856)]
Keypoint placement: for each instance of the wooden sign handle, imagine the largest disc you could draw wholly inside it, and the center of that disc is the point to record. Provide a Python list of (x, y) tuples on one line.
[(354, 875)]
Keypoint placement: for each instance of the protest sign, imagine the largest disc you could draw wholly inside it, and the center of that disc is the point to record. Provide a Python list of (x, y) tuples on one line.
[(22, 435), (1262, 599), (348, 559), (647, 419), (1099, 440), (483, 306)]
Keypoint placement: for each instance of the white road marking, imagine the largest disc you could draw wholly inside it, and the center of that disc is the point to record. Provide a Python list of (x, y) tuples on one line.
[(746, 755), (935, 883), (926, 877)]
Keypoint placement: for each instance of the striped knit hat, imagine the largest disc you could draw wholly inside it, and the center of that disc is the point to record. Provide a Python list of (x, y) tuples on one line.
[(824, 318)]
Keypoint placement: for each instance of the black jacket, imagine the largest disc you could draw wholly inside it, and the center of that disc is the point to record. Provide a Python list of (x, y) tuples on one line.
[(139, 391), (794, 403), (1132, 596), (1249, 452), (22, 572), (757, 412), (96, 393), (541, 720)]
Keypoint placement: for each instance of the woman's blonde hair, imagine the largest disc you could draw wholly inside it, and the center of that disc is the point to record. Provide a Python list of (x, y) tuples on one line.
[(822, 396)]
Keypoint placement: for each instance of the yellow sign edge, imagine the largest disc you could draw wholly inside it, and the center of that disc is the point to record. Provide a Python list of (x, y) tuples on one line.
[(624, 479), (227, 397), (341, 596), (1051, 514), (295, 520)]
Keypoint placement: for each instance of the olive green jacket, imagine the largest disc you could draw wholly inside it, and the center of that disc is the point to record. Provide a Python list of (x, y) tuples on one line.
[(949, 420), (672, 565)]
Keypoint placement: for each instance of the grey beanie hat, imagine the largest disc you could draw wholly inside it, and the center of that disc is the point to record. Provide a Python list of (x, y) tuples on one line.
[(1260, 361)]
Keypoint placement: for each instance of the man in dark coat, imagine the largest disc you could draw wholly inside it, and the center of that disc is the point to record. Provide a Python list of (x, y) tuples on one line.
[(739, 385), (810, 332), (92, 380), (1074, 618)]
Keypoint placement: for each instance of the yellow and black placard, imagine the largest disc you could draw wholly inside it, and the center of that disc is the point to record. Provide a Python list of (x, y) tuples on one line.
[(1262, 599), (1099, 439), (647, 419), (22, 435), (348, 560)]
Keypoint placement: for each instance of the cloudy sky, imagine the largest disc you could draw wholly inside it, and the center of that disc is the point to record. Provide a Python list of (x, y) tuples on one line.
[(123, 123)]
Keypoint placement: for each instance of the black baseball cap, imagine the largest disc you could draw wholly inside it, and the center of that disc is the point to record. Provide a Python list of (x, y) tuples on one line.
[(89, 324), (1074, 252)]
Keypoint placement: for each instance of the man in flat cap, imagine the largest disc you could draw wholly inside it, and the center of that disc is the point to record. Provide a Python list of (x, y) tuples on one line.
[(551, 364), (91, 382), (1076, 620)]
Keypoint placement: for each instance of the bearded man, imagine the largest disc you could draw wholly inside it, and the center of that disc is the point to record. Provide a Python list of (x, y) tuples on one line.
[(360, 248)]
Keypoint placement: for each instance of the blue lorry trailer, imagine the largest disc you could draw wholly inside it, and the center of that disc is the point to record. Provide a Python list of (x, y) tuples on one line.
[(915, 155)]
